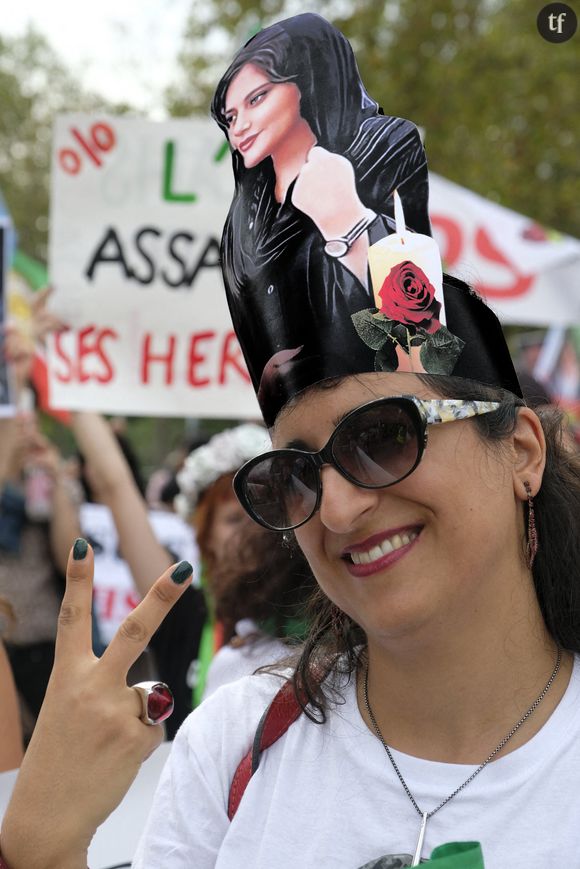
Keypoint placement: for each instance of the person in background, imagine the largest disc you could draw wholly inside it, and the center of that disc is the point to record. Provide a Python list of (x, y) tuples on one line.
[(171, 490), (116, 592), (177, 643), (11, 739), (255, 585), (38, 521), (162, 484), (261, 589)]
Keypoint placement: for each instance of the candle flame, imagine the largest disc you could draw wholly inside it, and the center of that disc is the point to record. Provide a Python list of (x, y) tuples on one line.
[(399, 215)]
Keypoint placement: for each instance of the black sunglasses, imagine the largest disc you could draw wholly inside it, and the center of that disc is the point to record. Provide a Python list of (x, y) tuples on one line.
[(374, 446)]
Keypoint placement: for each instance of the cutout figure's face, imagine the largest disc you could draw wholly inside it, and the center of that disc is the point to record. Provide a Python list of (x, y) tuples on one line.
[(261, 114)]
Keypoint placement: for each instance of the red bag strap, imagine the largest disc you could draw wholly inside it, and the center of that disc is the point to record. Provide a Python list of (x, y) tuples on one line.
[(277, 718)]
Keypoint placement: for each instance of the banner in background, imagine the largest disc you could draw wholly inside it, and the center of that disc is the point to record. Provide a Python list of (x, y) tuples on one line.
[(527, 274), (137, 211)]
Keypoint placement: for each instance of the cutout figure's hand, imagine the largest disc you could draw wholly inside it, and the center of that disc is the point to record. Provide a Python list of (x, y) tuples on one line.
[(325, 190)]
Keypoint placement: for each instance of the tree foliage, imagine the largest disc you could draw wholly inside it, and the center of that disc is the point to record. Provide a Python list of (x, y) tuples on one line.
[(497, 103), (34, 86)]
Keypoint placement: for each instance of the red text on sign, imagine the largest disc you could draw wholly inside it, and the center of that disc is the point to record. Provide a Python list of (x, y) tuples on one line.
[(202, 359), (87, 358), (159, 356)]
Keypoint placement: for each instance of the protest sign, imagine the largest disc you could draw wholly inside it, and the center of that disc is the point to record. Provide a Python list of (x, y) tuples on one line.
[(527, 273), (137, 211)]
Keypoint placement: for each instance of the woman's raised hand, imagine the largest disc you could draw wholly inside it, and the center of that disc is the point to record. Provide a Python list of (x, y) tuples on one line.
[(325, 190), (89, 741)]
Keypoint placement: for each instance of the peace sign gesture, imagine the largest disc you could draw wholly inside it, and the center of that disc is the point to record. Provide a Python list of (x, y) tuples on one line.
[(89, 741)]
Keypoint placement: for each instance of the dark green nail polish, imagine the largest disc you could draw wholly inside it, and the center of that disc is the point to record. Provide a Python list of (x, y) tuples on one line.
[(182, 572), (80, 549)]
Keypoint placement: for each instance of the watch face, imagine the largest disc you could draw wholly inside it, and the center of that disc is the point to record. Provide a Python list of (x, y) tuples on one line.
[(336, 247)]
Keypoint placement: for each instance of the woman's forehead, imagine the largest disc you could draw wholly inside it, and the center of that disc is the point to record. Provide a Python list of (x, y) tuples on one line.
[(314, 411), (249, 77)]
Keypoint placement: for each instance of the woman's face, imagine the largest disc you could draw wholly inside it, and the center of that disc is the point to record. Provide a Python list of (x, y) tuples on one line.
[(261, 114), (227, 519), (454, 523)]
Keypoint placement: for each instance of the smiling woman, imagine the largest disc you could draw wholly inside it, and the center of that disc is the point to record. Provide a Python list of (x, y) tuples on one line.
[(434, 681), (432, 714)]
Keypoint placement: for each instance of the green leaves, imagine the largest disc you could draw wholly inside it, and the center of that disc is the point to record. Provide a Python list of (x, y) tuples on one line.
[(439, 352), (386, 358), (373, 328)]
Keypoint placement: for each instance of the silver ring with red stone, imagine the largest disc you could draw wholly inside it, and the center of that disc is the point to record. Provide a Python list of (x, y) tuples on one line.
[(156, 701)]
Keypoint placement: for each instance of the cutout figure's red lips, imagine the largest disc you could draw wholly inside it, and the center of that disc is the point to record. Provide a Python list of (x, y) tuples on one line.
[(247, 143)]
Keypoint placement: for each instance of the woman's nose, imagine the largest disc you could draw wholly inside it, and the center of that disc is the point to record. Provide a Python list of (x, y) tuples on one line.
[(343, 503), (241, 124)]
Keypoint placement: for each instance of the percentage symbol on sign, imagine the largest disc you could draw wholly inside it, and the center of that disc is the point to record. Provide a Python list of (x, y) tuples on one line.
[(101, 139)]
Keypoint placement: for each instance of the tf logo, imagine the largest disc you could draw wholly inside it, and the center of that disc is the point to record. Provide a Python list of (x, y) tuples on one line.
[(557, 22)]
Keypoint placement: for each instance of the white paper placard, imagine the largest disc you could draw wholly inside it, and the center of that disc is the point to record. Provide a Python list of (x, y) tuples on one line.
[(137, 211)]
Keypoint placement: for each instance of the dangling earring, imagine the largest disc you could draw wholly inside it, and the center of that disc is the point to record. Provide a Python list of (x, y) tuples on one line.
[(532, 544)]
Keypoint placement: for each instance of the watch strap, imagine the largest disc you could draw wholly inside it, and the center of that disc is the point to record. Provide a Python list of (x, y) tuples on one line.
[(351, 236)]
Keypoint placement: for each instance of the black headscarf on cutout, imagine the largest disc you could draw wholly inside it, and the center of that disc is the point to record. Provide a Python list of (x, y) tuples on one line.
[(285, 295)]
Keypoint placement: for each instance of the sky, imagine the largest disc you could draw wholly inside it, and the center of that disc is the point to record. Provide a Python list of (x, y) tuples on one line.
[(124, 49)]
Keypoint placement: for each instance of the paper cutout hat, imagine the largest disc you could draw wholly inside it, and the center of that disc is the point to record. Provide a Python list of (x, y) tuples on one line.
[(316, 164)]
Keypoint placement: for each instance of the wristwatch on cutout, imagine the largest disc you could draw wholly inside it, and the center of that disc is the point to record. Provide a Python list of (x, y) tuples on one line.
[(338, 247)]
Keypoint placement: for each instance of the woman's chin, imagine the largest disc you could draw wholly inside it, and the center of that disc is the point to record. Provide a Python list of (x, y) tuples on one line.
[(250, 161)]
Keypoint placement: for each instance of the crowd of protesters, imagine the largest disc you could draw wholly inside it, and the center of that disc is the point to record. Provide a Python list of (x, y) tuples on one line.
[(245, 607)]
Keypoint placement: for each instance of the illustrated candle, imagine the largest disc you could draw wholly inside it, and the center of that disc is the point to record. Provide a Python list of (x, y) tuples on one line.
[(420, 251)]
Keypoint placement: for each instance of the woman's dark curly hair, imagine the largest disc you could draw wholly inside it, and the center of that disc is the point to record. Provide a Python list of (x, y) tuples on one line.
[(336, 643), (265, 580)]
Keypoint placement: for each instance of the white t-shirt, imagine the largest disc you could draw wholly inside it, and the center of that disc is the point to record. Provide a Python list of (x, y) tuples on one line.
[(114, 592), (233, 662), (327, 796)]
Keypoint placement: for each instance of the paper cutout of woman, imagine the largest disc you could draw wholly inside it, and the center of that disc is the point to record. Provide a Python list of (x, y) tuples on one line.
[(315, 165)]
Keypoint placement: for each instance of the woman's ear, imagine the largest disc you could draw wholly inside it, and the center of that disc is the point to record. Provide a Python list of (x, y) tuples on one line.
[(529, 446)]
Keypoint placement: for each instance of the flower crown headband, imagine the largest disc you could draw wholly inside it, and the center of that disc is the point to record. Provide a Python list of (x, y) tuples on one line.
[(224, 453)]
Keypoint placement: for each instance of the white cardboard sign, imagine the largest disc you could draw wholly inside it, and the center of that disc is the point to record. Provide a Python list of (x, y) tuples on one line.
[(137, 211)]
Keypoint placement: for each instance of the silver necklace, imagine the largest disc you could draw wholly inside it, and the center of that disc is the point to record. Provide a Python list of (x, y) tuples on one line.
[(425, 816)]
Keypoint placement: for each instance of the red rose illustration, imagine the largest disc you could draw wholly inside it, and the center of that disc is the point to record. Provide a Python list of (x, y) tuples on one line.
[(408, 297)]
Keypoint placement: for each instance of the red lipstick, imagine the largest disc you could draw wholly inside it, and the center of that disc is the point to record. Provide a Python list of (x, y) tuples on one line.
[(385, 561), (247, 143)]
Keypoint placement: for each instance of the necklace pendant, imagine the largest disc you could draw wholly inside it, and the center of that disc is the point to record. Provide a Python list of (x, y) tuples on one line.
[(420, 840)]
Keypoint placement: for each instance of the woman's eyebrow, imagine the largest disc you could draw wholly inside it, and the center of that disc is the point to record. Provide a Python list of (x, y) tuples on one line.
[(298, 444), (249, 95)]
